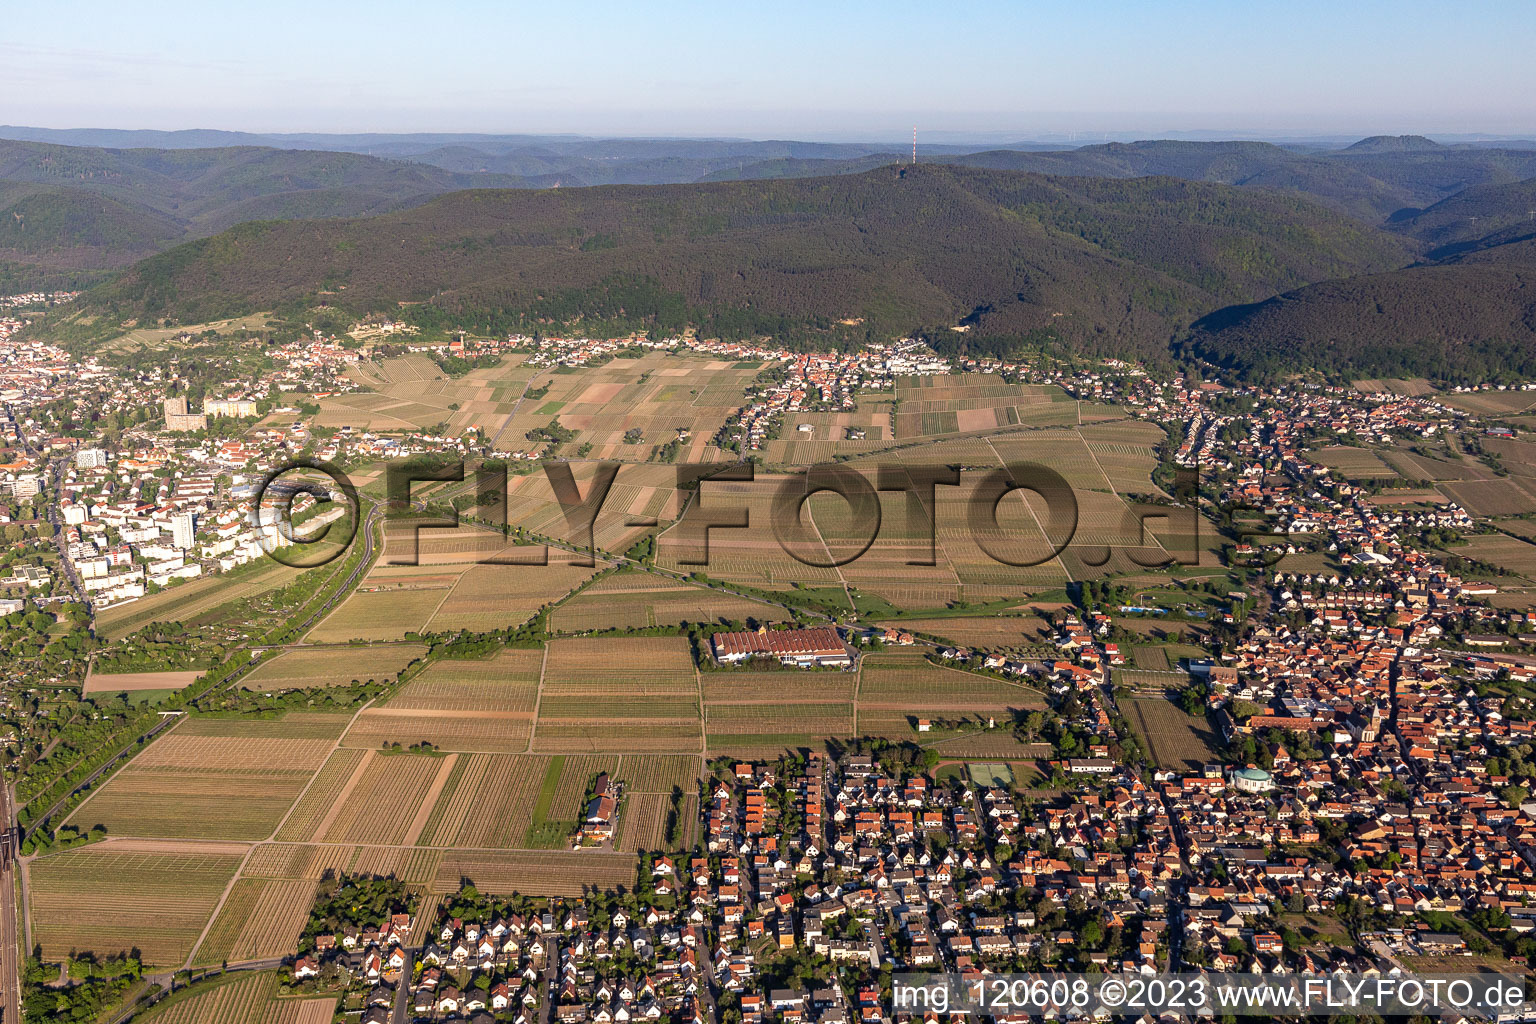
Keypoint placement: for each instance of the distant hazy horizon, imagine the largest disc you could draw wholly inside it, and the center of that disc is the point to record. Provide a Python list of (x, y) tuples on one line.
[(859, 71), (949, 140)]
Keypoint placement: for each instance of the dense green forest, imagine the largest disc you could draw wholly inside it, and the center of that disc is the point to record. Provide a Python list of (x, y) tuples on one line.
[(77, 208), (1106, 266), (1373, 179), (1462, 322), (1395, 255)]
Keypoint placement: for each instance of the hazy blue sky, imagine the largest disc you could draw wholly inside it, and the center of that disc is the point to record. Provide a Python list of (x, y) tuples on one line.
[(787, 69)]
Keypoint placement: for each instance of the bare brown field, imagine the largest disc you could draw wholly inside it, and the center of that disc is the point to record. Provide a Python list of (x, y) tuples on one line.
[(1524, 528), (378, 615), (95, 899), (999, 743), (752, 555), (418, 823), (313, 861), (658, 774), (301, 725), (974, 402), (748, 710), (296, 861), (320, 1010), (1506, 552), (535, 872), (1408, 496), (577, 771), (506, 682), (190, 803), (776, 686), (188, 600), (323, 792), (1519, 457), (272, 754), (654, 393), (722, 721), (980, 631), (898, 687), (294, 668), (245, 998), (129, 682), (1354, 463), (488, 731), (916, 597), (643, 824), (628, 606), (1493, 403), (219, 787), (1396, 386), (1419, 467)]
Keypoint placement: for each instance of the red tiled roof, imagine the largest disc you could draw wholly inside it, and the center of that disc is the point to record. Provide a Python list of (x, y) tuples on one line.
[(779, 642)]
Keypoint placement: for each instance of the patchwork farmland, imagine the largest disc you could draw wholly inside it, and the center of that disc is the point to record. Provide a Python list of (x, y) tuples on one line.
[(211, 778), (94, 898), (459, 705), (298, 668), (638, 695)]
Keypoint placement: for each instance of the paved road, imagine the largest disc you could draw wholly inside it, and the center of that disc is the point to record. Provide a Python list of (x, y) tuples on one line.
[(56, 471), (10, 924), (402, 1011)]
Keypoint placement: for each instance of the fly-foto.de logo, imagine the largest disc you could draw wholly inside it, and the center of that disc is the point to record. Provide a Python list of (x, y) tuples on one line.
[(1021, 514)]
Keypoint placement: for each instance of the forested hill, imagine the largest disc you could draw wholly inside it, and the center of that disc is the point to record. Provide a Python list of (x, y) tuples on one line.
[(1467, 320), (1373, 179), (1477, 218), (71, 210), (1104, 266)]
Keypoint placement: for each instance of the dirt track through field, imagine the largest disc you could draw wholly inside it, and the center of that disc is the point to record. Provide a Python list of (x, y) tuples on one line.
[(341, 798), (430, 800)]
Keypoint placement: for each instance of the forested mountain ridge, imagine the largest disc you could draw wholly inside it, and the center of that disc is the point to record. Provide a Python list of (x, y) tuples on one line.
[(82, 209), (1372, 183), (1468, 319), (1104, 266), (1477, 217), (1118, 252)]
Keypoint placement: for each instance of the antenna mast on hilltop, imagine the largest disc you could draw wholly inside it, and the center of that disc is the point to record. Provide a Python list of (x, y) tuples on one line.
[(914, 145)]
